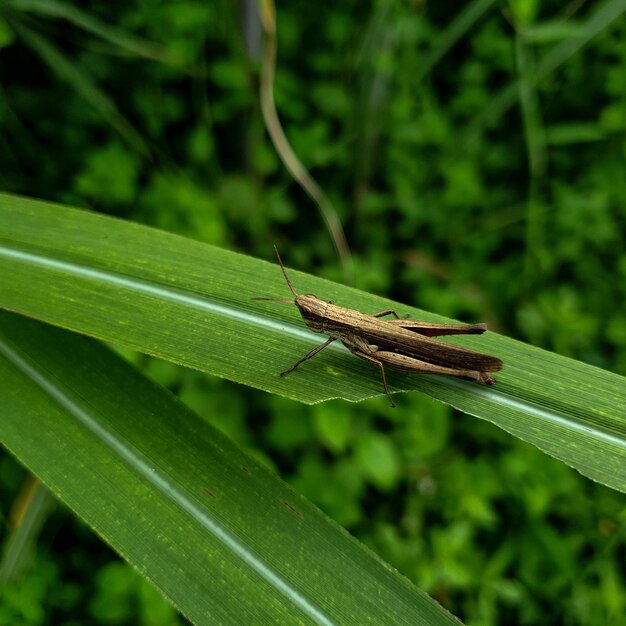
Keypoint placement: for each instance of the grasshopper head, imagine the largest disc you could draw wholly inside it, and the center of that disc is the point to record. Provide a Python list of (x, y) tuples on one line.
[(311, 307), (313, 311)]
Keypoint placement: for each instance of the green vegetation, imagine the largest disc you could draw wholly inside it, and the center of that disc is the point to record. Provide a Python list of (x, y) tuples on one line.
[(477, 167)]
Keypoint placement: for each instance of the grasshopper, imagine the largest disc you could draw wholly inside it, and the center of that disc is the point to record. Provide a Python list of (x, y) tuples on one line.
[(400, 343)]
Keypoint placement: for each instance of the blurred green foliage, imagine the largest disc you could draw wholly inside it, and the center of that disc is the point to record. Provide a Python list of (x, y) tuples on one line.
[(450, 200)]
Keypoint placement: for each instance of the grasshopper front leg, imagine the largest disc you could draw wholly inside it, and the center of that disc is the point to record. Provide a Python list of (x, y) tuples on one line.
[(310, 355)]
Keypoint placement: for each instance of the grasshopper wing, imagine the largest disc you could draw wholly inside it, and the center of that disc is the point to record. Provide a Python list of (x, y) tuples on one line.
[(430, 329)]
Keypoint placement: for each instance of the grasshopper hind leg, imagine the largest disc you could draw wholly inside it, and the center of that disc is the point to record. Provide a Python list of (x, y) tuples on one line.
[(370, 359)]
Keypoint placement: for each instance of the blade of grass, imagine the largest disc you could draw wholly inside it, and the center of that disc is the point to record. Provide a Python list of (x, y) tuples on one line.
[(191, 303), (379, 42), (457, 28), (28, 516), (119, 38), (82, 84), (218, 533), (285, 151), (603, 17), (536, 149)]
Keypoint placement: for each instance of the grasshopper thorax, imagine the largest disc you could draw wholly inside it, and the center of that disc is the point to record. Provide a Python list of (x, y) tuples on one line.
[(313, 311)]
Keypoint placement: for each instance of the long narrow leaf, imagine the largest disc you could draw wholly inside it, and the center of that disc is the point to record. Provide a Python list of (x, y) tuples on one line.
[(82, 84), (62, 10), (600, 20), (453, 33), (219, 534), (191, 303)]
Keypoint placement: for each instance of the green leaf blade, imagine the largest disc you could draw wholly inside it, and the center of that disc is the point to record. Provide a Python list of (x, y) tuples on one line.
[(217, 532), (192, 304)]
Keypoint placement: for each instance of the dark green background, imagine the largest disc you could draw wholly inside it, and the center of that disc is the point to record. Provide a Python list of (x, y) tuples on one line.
[(514, 215)]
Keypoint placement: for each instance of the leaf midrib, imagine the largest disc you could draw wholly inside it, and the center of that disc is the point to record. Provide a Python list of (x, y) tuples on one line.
[(154, 289)]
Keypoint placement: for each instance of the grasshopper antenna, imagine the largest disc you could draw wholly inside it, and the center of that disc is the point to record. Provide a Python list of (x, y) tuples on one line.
[(282, 267), (293, 291)]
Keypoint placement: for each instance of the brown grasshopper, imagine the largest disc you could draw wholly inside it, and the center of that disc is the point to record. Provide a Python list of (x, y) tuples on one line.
[(402, 344)]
